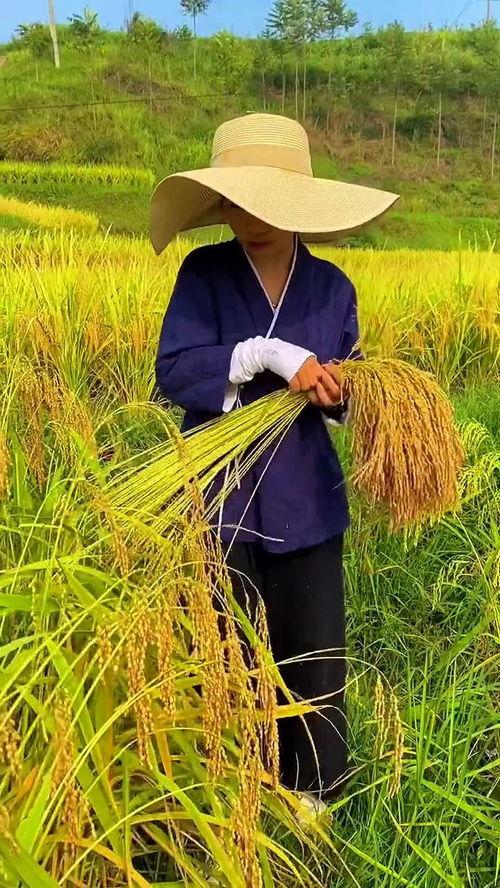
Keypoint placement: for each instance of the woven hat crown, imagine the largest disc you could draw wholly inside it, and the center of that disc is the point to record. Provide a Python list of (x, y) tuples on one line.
[(262, 140)]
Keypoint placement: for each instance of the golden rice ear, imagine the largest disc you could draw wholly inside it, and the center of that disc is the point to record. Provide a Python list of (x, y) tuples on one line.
[(406, 449)]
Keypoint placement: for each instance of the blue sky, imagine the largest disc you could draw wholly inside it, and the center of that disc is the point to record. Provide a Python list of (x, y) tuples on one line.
[(243, 16)]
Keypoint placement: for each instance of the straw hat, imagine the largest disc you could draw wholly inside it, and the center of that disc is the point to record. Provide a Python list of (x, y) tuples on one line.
[(262, 163)]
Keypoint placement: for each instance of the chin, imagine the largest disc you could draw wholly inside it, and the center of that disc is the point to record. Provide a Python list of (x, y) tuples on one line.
[(266, 249)]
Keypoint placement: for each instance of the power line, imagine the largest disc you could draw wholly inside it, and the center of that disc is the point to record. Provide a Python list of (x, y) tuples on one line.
[(119, 102), (462, 12)]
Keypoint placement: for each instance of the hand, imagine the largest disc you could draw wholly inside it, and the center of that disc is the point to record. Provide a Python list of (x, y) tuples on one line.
[(318, 382), (336, 373)]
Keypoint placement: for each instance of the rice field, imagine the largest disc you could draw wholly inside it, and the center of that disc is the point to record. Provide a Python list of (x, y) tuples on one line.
[(13, 172), (129, 744), (47, 217)]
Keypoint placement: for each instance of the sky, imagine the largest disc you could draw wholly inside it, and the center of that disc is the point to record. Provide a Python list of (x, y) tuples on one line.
[(245, 17)]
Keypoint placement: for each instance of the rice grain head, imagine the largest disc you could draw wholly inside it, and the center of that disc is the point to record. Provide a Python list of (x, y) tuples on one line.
[(74, 805), (406, 449), (106, 650), (34, 448), (118, 543), (6, 832), (267, 699), (139, 637), (5, 463), (381, 717), (9, 745), (164, 620)]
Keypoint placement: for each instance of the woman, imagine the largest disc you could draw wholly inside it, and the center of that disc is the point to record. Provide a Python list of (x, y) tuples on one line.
[(248, 317)]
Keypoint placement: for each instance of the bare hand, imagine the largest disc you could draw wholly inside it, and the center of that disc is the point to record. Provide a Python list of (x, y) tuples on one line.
[(318, 382), (336, 373)]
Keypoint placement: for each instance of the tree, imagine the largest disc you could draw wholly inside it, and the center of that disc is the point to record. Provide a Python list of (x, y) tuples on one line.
[(84, 30), (183, 34), (263, 58), (35, 37), (337, 18), (298, 23), (195, 8), (233, 59), (398, 67), (144, 31)]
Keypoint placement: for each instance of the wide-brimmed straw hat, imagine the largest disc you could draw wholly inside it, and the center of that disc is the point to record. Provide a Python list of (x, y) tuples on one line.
[(262, 163)]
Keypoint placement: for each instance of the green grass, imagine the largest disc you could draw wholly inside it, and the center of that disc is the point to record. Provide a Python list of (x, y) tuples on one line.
[(433, 231), (14, 223), (125, 211), (439, 205)]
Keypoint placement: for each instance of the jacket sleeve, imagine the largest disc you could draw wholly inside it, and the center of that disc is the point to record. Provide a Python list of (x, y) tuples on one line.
[(192, 368), (349, 344), (349, 349)]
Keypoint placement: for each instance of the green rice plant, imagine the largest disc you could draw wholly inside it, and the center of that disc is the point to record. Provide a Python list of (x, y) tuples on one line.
[(106, 770), (19, 173), (109, 753)]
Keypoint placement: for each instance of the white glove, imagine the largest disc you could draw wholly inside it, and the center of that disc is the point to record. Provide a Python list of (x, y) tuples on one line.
[(258, 354)]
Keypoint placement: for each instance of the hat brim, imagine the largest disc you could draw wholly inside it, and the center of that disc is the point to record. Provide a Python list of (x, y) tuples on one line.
[(317, 209)]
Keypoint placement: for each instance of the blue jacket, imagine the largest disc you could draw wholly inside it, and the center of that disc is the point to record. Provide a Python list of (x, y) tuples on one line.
[(217, 302)]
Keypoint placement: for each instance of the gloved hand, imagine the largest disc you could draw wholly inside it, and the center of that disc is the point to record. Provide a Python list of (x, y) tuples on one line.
[(257, 354)]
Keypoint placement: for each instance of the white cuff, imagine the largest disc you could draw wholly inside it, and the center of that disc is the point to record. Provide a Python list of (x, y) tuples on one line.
[(344, 417), (230, 397), (283, 358)]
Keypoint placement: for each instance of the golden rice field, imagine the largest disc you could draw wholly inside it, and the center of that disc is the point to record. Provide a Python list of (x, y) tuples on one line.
[(130, 739), (48, 217)]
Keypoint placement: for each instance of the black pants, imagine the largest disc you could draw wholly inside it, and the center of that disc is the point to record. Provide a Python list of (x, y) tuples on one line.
[(304, 597)]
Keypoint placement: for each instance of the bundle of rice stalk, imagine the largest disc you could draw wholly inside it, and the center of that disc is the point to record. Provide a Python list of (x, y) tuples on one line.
[(406, 451)]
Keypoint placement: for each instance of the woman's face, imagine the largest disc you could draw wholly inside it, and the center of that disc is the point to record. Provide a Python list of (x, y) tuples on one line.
[(256, 236)]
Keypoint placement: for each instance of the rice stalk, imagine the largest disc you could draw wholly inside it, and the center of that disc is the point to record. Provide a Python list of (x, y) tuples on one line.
[(5, 463), (74, 806), (398, 753), (160, 491), (246, 810)]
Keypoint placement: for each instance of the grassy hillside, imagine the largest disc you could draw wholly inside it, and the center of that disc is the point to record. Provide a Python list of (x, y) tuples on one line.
[(137, 104)]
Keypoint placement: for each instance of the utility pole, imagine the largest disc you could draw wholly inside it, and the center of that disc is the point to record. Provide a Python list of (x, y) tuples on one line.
[(53, 33), (489, 10)]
